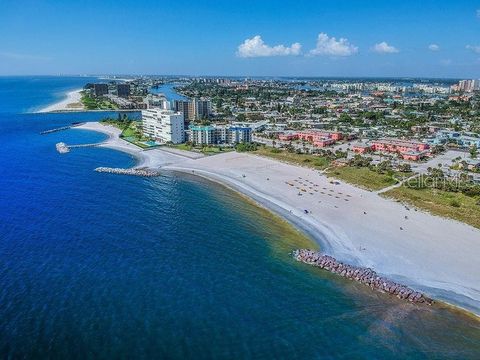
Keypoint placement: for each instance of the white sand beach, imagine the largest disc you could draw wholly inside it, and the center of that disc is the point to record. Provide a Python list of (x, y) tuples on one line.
[(429, 253), (70, 103), (150, 158)]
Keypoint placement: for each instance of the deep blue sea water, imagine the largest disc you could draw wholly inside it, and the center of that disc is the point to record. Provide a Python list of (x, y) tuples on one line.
[(95, 265)]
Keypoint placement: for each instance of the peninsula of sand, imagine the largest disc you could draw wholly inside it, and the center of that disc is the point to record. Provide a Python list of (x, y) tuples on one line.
[(431, 254), (72, 102)]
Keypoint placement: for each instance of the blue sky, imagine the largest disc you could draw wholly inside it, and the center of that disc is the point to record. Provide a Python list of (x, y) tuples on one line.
[(272, 38)]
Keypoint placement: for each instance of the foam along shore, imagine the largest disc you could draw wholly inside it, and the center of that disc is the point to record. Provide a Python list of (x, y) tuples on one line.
[(72, 102), (430, 254)]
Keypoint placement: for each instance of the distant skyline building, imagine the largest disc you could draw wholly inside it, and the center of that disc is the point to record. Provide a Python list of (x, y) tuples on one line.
[(100, 89), (166, 126), (194, 109), (467, 85), (123, 90), (200, 109), (183, 107)]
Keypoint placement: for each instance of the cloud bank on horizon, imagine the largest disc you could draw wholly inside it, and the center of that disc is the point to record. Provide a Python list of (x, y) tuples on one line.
[(256, 47), (325, 46), (473, 48), (384, 48), (333, 47)]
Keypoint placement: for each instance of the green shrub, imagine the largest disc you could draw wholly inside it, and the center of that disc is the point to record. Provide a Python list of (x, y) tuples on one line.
[(455, 203)]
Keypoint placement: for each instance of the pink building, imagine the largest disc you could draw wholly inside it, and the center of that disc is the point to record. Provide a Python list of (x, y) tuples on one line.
[(317, 135), (410, 150), (412, 156), (320, 138), (399, 146), (361, 149), (324, 142), (288, 136)]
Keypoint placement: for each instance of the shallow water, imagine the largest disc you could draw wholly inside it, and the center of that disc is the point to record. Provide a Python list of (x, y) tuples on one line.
[(100, 265)]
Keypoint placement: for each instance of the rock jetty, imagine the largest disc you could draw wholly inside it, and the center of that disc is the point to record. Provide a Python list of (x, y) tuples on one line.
[(145, 172), (61, 128), (365, 276)]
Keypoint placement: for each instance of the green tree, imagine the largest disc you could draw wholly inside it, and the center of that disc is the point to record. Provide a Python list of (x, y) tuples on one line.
[(474, 151)]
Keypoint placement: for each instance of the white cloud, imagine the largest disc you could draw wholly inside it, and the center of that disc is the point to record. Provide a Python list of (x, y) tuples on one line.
[(256, 47), (384, 48), (333, 47), (446, 62), (474, 48), (433, 47)]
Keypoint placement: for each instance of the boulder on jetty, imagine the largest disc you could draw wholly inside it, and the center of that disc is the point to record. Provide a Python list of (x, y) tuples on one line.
[(365, 276), (145, 172)]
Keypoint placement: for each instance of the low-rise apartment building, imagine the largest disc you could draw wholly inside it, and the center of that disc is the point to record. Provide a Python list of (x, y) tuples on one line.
[(319, 138), (219, 134), (408, 149), (401, 146)]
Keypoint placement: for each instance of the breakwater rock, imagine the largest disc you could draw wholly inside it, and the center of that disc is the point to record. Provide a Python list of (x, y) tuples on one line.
[(365, 276), (60, 128), (145, 172)]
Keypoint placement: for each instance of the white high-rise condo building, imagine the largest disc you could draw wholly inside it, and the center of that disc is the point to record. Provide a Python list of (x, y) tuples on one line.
[(163, 125)]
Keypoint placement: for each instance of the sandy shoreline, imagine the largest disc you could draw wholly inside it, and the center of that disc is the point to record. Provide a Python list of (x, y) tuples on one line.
[(428, 253), (71, 103), (145, 158)]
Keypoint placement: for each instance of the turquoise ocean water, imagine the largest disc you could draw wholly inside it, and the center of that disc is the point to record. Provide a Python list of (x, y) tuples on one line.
[(102, 266)]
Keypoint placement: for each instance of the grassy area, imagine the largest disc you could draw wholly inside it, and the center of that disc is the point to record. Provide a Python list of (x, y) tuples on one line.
[(94, 103), (185, 147), (131, 131), (438, 202), (210, 150), (363, 177), (207, 150), (312, 161)]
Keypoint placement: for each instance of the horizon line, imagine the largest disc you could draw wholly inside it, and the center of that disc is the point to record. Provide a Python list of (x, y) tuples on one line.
[(246, 76)]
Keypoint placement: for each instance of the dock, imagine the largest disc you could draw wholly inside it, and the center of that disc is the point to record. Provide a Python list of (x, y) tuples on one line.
[(63, 148)]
